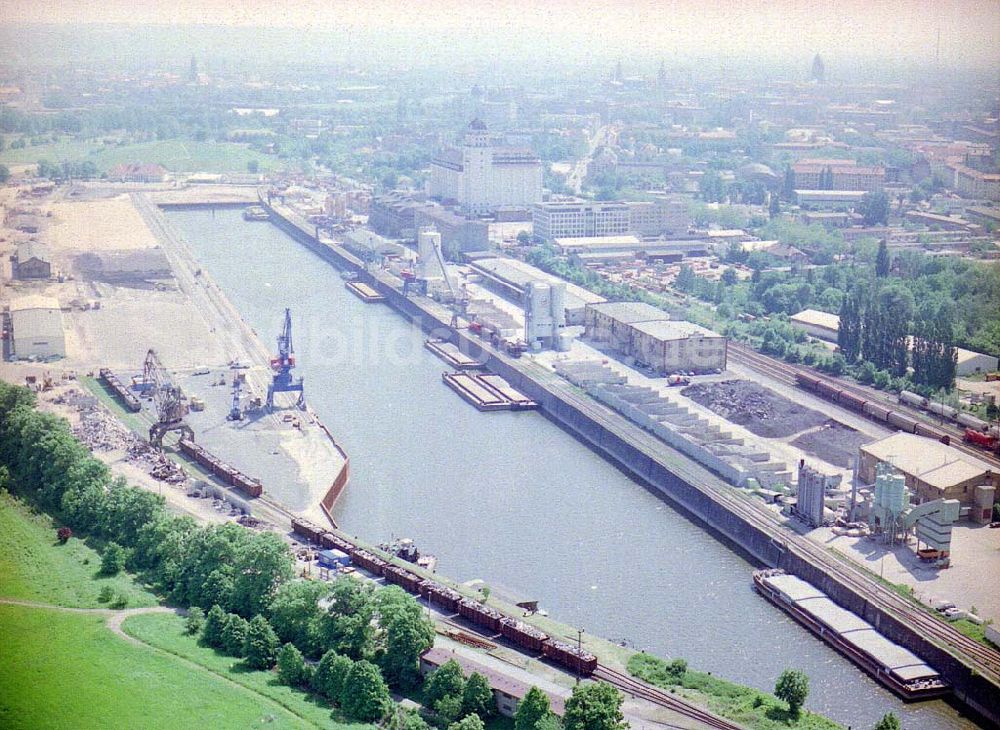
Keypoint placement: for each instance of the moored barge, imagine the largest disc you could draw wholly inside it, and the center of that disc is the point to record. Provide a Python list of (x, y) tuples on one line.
[(897, 668)]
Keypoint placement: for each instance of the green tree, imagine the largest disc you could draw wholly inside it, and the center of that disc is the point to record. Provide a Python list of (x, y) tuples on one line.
[(295, 613), (113, 559), (594, 707), (261, 648), (882, 261), (532, 709), (291, 666), (234, 634), (447, 680), (471, 722), (408, 633), (347, 625), (365, 697), (406, 720), (889, 721), (685, 280), (262, 564), (729, 277), (774, 207), (4, 173), (849, 331), (211, 632), (194, 621), (792, 687), (788, 186), (253, 167), (874, 208), (477, 697), (331, 673)]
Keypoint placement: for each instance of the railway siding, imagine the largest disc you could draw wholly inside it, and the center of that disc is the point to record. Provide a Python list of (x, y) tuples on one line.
[(972, 669)]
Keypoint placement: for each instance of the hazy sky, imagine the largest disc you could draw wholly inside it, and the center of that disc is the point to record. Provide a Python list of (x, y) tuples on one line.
[(904, 30)]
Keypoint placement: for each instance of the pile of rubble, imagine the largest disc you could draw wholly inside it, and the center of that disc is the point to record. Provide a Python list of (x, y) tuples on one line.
[(760, 410), (98, 430)]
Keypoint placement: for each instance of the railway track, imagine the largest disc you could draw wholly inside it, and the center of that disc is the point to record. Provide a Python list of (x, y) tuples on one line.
[(982, 659), (785, 373), (640, 689)]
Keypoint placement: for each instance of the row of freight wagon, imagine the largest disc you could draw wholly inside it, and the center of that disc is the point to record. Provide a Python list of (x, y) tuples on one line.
[(226, 473), (128, 398), (448, 599), (977, 431), (874, 409)]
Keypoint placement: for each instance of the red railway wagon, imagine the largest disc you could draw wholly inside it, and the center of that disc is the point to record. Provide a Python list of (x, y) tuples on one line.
[(853, 401), (406, 580), (479, 614), (248, 485), (982, 440), (306, 529), (329, 541), (828, 389), (578, 660), (440, 596), (806, 380), (371, 563), (522, 634)]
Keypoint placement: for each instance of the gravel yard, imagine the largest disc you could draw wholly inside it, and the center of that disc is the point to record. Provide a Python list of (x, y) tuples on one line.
[(833, 442), (754, 407)]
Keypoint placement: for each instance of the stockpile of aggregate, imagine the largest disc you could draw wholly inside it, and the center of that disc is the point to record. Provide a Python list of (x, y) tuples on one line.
[(759, 410)]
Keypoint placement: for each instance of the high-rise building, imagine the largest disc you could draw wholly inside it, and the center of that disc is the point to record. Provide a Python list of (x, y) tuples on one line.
[(483, 174)]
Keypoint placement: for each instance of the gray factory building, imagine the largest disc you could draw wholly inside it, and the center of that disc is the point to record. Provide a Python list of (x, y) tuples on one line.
[(37, 328)]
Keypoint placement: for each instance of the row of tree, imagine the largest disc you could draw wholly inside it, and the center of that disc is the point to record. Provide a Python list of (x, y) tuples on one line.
[(875, 325), (348, 642)]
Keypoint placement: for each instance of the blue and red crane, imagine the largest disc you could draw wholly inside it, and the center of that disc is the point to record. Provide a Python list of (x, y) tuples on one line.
[(283, 381)]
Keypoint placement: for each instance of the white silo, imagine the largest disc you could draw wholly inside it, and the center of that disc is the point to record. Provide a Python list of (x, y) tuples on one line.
[(428, 242)]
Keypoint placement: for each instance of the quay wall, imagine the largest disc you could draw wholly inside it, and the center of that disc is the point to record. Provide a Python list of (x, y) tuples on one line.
[(622, 443)]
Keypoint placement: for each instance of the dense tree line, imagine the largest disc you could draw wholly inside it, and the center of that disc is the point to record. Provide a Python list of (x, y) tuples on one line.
[(366, 639)]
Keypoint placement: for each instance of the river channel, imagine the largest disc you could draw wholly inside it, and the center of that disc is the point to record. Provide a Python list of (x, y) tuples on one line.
[(511, 498)]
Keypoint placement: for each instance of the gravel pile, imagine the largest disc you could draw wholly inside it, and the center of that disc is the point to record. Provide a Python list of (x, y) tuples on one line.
[(754, 407)]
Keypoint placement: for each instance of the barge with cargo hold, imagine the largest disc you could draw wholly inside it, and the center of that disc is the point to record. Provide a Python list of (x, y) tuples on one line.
[(897, 668)]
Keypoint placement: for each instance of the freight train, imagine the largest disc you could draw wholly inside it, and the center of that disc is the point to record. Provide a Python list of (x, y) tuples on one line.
[(528, 637), (228, 474), (977, 431), (837, 393), (128, 398)]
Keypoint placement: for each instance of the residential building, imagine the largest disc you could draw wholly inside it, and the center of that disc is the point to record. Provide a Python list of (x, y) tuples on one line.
[(847, 175), (31, 261), (971, 183), (931, 469), (483, 174), (507, 691), (37, 328)]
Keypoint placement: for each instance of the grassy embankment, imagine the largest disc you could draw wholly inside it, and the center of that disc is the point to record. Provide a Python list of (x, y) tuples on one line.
[(177, 155), (35, 567), (68, 670), (750, 707)]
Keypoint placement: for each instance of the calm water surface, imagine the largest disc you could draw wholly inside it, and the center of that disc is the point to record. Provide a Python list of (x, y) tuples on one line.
[(510, 497)]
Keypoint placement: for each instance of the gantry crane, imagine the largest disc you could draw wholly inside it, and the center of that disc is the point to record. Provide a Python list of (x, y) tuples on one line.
[(168, 400), (283, 381)]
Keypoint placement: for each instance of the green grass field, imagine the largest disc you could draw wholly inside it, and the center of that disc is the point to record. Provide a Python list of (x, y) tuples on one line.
[(177, 155), (749, 707), (62, 670), (35, 567), (166, 631)]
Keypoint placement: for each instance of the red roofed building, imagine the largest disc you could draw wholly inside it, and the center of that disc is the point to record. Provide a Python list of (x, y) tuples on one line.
[(145, 172)]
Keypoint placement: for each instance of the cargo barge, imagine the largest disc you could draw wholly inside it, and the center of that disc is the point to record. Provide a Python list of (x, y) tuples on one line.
[(488, 392), (224, 472), (128, 398), (897, 668), (364, 292), (486, 618), (451, 354)]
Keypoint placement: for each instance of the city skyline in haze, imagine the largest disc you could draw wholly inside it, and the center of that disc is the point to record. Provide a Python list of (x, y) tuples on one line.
[(965, 33)]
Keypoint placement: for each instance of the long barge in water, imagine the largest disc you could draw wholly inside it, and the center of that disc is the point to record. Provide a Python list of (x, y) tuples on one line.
[(897, 668)]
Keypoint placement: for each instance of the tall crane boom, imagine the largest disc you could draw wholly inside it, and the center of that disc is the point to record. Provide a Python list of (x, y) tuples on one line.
[(283, 381), (168, 399)]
